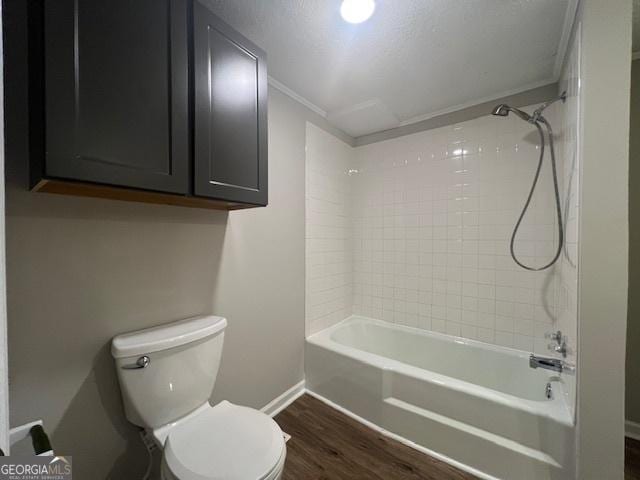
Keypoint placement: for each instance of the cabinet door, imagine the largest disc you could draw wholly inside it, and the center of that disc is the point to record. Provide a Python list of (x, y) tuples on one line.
[(116, 84), (230, 137)]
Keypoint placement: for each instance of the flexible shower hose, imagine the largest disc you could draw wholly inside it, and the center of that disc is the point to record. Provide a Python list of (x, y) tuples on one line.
[(543, 120)]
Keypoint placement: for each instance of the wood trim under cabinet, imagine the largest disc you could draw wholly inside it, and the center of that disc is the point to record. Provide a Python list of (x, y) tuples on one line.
[(115, 193)]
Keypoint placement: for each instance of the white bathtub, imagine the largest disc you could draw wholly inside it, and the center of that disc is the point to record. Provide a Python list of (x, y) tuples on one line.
[(478, 406)]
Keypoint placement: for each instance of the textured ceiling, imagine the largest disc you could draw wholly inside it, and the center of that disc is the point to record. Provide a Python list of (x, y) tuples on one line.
[(412, 59)]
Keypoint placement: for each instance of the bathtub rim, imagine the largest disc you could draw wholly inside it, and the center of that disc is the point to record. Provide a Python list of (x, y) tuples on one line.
[(555, 409)]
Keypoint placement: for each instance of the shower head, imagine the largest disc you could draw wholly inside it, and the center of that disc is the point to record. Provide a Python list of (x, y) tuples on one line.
[(503, 110)]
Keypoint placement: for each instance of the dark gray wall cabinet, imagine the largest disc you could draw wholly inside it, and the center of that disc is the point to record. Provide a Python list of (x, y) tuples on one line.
[(159, 96), (230, 114)]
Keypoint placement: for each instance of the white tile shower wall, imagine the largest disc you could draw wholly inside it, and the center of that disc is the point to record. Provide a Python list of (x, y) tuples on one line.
[(432, 217), (416, 230), (328, 230)]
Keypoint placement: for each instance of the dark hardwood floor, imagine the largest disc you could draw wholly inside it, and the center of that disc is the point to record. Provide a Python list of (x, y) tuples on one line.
[(631, 459), (327, 445)]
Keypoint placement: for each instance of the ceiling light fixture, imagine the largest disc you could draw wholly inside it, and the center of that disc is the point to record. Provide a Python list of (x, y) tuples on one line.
[(357, 11)]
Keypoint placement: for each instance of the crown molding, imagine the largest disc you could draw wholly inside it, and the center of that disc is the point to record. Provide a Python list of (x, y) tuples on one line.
[(479, 101), (567, 29), (297, 97)]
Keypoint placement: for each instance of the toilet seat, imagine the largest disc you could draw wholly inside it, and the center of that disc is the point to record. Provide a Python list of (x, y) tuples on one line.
[(225, 442)]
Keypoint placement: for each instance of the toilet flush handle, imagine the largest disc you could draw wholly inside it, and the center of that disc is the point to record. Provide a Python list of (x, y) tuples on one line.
[(142, 362)]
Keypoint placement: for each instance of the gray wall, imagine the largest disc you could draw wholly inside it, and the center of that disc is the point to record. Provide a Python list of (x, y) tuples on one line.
[(83, 270), (605, 33), (633, 315)]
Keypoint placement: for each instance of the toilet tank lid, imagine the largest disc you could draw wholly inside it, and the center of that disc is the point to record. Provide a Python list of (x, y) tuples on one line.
[(166, 336)]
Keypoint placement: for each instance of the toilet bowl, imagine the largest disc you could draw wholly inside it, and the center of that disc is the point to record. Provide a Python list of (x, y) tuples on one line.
[(226, 441), (167, 374)]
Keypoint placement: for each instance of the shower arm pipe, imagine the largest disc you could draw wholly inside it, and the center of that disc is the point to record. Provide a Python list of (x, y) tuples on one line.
[(537, 114)]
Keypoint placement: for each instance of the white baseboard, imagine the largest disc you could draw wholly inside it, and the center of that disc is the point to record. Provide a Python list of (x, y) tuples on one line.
[(278, 404), (632, 429), (404, 441)]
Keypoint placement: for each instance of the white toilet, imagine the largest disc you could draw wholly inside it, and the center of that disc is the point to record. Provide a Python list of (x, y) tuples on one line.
[(166, 375)]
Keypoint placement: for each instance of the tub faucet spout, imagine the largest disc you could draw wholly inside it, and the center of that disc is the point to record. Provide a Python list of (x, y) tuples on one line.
[(554, 364)]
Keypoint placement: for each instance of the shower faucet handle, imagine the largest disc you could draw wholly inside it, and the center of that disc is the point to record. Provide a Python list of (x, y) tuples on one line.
[(555, 336), (560, 343), (562, 349)]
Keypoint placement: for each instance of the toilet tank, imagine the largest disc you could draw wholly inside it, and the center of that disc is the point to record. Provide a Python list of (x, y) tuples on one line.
[(168, 371)]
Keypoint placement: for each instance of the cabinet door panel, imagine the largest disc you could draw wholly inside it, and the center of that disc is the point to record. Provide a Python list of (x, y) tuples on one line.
[(117, 92), (230, 113)]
